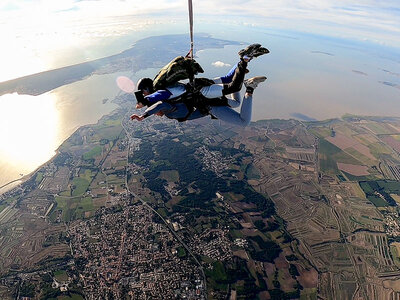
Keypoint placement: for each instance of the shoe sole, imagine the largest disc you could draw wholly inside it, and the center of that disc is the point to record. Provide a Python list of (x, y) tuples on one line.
[(249, 49)]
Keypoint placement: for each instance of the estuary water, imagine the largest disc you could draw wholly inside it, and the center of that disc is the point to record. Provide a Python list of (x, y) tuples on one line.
[(33, 127), (313, 76)]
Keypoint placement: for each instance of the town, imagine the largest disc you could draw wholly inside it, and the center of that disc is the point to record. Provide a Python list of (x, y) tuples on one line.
[(204, 212)]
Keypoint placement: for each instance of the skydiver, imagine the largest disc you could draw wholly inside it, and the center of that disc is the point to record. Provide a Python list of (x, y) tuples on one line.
[(158, 101)]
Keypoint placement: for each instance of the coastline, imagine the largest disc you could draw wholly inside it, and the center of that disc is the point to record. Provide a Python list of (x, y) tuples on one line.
[(3, 188), (29, 175), (9, 183)]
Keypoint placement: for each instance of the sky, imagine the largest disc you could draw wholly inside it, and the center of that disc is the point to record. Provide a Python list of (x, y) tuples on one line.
[(38, 35), (376, 21)]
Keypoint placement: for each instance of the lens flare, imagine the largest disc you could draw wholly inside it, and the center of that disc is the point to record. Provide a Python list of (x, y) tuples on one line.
[(125, 84)]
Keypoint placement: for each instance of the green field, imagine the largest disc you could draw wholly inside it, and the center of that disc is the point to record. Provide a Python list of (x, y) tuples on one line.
[(377, 128), (330, 155), (72, 297), (61, 276), (252, 172), (86, 174), (162, 212), (376, 190), (389, 186), (39, 177), (170, 176), (109, 133), (360, 157), (260, 139), (366, 188), (77, 187), (74, 208), (378, 149), (236, 234), (378, 202), (327, 150), (86, 204), (358, 178), (346, 158), (114, 179), (218, 271), (395, 255), (309, 294), (95, 151), (8, 201), (73, 140), (328, 165), (181, 252), (112, 122), (321, 132), (80, 186), (108, 128)]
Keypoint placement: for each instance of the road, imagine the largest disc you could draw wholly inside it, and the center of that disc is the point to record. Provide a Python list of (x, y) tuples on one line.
[(161, 217)]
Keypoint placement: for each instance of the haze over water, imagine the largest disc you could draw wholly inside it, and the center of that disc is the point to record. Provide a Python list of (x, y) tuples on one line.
[(308, 77), (33, 127), (314, 76)]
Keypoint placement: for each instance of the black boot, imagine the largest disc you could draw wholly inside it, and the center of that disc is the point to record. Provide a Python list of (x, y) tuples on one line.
[(253, 50)]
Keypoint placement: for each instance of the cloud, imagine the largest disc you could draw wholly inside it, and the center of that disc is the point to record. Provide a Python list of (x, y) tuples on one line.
[(90, 8), (361, 19), (220, 64), (377, 21)]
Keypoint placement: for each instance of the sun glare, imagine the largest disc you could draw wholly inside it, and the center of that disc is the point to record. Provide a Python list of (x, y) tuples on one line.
[(28, 129)]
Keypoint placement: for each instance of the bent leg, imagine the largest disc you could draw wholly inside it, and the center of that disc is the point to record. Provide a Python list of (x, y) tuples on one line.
[(228, 115), (237, 80), (234, 100), (229, 84), (228, 77), (212, 91)]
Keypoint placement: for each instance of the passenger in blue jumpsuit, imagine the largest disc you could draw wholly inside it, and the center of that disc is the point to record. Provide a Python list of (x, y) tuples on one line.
[(226, 85)]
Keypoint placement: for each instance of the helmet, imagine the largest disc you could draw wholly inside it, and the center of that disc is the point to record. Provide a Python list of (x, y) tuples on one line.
[(145, 84)]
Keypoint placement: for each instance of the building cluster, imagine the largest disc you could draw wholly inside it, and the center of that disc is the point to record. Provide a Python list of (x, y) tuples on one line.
[(123, 252), (392, 223), (213, 160), (213, 243)]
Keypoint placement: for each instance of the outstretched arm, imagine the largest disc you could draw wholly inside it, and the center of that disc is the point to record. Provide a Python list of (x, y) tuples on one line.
[(159, 107), (137, 117)]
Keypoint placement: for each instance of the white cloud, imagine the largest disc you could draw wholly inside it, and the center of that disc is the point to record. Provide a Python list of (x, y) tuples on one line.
[(371, 20), (220, 64), (361, 19)]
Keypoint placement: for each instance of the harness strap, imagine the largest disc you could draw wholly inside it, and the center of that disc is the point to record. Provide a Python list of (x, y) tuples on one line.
[(194, 100)]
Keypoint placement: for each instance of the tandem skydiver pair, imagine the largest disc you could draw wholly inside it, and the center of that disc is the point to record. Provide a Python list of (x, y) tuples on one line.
[(201, 96)]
